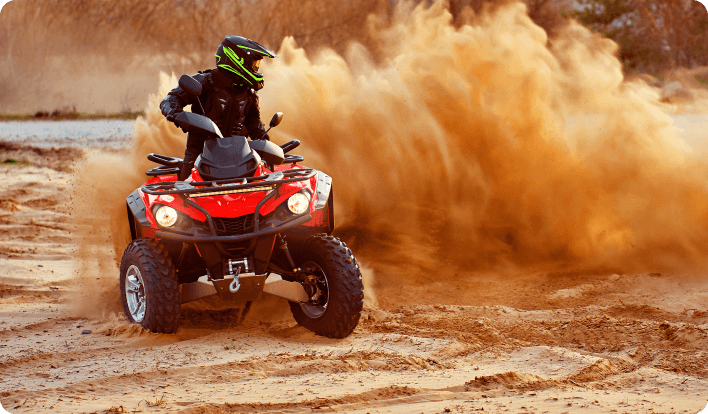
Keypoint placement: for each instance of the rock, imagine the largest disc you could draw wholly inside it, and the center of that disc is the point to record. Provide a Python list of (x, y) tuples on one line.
[(377, 315)]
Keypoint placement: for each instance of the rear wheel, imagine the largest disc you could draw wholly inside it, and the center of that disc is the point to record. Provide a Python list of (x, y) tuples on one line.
[(149, 287), (332, 279)]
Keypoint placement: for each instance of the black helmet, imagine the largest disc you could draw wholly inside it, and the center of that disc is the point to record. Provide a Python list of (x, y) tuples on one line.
[(240, 58)]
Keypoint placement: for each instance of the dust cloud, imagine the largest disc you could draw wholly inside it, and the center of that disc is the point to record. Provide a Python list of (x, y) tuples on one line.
[(101, 184), (488, 146), (483, 146)]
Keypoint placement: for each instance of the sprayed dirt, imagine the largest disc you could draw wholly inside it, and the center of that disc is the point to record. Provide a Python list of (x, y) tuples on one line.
[(532, 229)]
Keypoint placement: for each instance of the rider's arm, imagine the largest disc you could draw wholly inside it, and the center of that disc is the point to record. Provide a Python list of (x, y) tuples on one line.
[(178, 98), (253, 121), (173, 103)]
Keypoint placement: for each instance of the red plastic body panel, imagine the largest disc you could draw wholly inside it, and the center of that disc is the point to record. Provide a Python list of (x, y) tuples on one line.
[(286, 190), (318, 218), (231, 205), (173, 201), (238, 204)]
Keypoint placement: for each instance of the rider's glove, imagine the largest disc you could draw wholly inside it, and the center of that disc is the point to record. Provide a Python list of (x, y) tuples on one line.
[(173, 114)]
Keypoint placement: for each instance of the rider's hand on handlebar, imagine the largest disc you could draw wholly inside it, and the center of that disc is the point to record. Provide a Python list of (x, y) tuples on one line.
[(173, 114)]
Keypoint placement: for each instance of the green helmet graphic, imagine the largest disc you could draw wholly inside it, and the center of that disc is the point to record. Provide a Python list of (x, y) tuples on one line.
[(240, 58)]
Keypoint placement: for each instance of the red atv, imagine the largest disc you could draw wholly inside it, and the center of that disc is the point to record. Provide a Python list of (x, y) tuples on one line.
[(248, 220)]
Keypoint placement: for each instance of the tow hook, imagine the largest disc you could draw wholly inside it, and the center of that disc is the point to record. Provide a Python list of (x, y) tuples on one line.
[(235, 284)]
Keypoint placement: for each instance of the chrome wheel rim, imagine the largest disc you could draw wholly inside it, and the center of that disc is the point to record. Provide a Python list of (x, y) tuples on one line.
[(135, 293), (318, 290)]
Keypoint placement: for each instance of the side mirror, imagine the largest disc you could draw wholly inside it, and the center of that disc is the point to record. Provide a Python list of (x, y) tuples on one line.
[(276, 119), (190, 85)]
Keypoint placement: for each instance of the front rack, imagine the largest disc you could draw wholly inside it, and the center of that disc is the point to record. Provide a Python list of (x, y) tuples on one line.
[(232, 184), (260, 183)]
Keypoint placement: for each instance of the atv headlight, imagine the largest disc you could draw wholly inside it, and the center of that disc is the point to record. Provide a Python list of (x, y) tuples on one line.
[(298, 203), (166, 216)]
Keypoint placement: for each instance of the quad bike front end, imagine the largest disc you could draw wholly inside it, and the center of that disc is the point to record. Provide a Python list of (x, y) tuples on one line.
[(238, 238)]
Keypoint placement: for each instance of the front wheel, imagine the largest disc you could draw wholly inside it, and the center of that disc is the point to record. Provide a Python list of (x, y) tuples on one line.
[(332, 279), (149, 288)]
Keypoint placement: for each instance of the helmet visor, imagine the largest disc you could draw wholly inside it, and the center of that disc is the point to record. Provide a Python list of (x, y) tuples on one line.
[(256, 65)]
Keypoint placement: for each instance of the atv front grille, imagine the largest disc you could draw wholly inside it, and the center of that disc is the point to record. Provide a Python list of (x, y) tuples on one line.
[(236, 249), (226, 226)]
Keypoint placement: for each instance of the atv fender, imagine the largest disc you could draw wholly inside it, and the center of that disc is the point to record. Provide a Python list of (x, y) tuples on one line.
[(323, 186), (137, 207), (323, 209), (140, 225)]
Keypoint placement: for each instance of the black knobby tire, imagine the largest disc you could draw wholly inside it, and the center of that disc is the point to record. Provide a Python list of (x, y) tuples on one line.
[(161, 289), (344, 285)]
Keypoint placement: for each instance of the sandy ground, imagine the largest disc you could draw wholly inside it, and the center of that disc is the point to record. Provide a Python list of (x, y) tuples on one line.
[(537, 342)]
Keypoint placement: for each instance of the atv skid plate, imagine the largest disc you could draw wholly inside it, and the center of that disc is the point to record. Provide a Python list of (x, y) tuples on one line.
[(252, 288)]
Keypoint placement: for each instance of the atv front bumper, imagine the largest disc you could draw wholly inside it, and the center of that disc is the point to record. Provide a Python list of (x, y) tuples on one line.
[(161, 234)]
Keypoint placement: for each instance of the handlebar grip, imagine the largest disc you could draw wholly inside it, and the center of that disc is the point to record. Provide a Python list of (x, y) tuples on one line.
[(289, 146), (164, 159)]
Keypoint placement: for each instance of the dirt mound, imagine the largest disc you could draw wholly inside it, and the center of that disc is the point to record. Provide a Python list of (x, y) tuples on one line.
[(511, 380), (124, 329), (372, 396), (603, 369), (596, 373)]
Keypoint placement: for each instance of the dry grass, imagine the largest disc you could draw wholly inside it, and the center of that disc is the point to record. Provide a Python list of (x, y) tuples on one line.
[(54, 51), (162, 402)]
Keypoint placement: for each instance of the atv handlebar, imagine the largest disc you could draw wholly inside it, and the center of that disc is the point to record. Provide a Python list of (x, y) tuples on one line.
[(291, 145), (164, 159)]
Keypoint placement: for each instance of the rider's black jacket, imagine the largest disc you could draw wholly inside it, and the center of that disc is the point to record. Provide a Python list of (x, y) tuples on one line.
[(234, 110)]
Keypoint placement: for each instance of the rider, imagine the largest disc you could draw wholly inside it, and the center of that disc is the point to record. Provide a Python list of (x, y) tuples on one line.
[(228, 96)]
